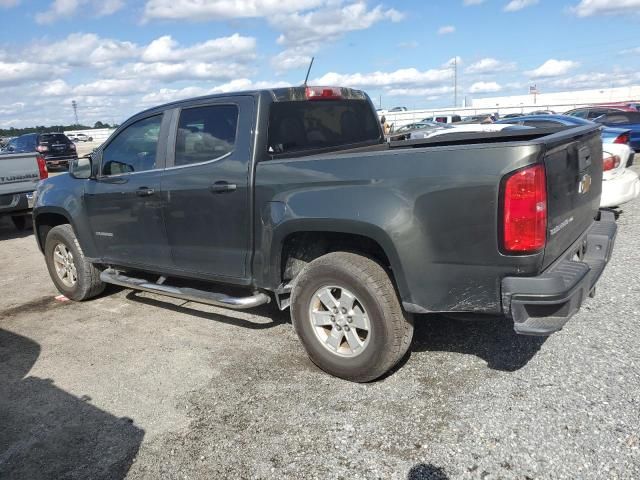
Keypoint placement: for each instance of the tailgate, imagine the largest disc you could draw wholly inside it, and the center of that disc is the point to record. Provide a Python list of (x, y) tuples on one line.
[(573, 161), (18, 173)]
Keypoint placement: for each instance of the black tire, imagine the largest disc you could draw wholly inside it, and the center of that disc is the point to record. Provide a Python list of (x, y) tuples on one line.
[(20, 222), (88, 283), (391, 329)]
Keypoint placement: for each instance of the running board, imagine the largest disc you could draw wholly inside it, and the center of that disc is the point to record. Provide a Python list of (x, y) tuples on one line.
[(191, 294)]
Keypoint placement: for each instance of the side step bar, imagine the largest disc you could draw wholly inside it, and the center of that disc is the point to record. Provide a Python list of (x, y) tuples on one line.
[(191, 294)]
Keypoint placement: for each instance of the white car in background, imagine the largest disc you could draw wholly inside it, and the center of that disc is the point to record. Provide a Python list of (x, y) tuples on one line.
[(466, 128), (619, 184), (79, 137)]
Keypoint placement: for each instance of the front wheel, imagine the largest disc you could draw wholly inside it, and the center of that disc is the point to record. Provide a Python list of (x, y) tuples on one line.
[(347, 314), (73, 275)]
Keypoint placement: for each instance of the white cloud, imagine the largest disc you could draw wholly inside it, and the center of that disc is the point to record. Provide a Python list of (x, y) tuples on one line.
[(165, 49), (411, 44), (12, 73), (552, 68), (490, 65), (433, 92), (586, 8), (446, 29), (626, 51), (485, 87), (8, 3), (598, 80), (83, 49), (111, 87), (405, 76), (188, 70), (165, 95), (515, 5), (303, 34), (54, 88), (199, 10), (291, 59), (320, 26), (65, 9)]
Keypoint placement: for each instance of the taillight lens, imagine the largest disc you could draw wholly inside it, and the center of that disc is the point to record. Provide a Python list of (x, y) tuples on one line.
[(323, 93), (42, 148), (624, 139), (525, 211), (611, 162), (42, 167)]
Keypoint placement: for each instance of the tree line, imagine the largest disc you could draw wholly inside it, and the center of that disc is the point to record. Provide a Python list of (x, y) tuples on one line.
[(15, 132)]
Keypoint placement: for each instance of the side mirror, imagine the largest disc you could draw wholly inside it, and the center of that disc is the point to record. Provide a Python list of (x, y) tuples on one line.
[(81, 168)]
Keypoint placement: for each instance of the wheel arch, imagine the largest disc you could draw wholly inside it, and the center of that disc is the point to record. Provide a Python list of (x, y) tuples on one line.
[(297, 243)]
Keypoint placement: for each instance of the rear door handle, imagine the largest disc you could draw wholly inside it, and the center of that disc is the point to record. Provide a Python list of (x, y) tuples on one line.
[(222, 187), (145, 192)]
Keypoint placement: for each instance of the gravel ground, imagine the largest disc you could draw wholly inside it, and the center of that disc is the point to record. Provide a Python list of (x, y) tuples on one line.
[(139, 386)]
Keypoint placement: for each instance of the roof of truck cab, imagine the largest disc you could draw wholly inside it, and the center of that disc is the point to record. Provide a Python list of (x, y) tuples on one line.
[(276, 94)]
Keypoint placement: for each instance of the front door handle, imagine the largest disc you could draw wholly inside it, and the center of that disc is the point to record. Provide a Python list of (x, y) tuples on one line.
[(222, 187), (145, 192)]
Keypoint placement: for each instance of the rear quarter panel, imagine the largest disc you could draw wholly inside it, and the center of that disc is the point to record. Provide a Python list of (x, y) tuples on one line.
[(434, 211)]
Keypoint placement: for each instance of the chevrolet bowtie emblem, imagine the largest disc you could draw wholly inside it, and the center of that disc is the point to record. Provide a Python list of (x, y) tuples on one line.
[(585, 183)]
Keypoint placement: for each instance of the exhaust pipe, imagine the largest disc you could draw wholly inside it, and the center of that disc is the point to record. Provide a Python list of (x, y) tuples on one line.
[(190, 294)]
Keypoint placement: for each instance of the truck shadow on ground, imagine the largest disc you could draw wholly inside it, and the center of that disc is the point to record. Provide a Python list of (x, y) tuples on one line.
[(9, 232), (490, 338), (47, 433), (189, 308)]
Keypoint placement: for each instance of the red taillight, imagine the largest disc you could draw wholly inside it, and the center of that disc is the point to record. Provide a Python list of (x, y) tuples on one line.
[(42, 167), (624, 138), (42, 148), (525, 211), (323, 93), (609, 163)]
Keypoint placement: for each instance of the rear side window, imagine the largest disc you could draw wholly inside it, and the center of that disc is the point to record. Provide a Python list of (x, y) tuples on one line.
[(579, 113), (206, 133), (306, 125)]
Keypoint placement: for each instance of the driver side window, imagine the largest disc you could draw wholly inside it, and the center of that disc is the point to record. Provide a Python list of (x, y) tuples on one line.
[(134, 149)]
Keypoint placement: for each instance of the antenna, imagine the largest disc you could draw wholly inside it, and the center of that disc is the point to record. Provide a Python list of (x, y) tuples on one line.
[(74, 104), (308, 72)]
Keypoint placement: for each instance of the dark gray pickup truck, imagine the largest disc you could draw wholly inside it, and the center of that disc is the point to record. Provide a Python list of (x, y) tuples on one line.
[(293, 195)]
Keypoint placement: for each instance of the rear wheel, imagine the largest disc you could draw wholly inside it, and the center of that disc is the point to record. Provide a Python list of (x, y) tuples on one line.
[(73, 275), (347, 314)]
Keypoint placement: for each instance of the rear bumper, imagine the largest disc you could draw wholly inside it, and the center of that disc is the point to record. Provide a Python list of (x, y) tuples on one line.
[(16, 203), (542, 305)]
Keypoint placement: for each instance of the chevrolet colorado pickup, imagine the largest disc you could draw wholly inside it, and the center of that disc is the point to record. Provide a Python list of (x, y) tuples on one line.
[(293, 195), (19, 176)]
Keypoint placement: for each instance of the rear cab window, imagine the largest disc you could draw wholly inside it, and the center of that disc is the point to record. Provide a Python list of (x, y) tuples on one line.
[(299, 125)]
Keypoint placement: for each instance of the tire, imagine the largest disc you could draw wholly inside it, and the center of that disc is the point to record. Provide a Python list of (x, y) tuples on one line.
[(386, 330), (87, 282), (90, 139), (20, 222)]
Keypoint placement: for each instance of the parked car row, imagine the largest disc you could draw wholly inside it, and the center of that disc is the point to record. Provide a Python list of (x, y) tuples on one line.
[(56, 148), (619, 184)]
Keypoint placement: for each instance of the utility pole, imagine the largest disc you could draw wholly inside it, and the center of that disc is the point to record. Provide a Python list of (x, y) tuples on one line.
[(455, 81), (74, 104)]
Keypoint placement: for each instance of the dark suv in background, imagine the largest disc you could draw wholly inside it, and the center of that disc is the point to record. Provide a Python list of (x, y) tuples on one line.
[(56, 148)]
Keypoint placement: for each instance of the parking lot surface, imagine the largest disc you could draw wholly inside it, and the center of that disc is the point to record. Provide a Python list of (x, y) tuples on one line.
[(140, 386)]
